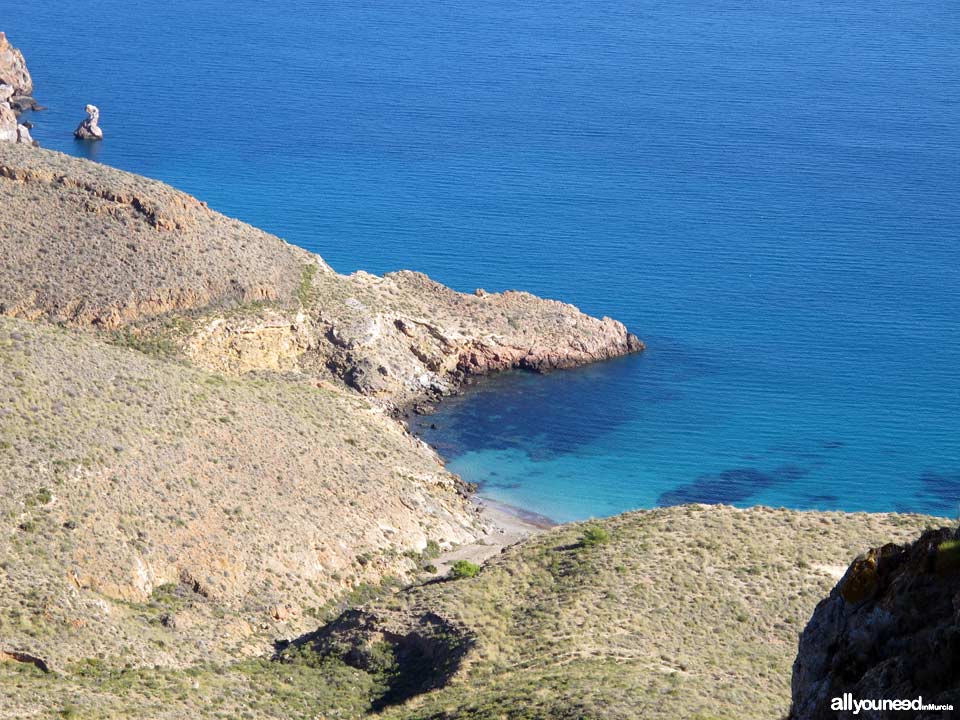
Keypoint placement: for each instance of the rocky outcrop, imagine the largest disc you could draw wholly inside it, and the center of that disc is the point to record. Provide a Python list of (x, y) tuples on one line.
[(14, 74), (89, 129), (24, 137), (13, 69), (890, 629), (10, 129), (403, 338), (15, 88), (8, 118)]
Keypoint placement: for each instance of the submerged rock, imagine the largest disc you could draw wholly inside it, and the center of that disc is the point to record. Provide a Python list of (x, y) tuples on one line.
[(22, 103), (889, 629), (89, 129)]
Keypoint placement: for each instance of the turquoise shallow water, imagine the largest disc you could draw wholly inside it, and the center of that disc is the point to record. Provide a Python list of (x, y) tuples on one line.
[(767, 193)]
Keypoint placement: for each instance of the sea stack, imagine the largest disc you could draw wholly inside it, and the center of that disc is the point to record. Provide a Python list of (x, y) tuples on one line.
[(89, 129)]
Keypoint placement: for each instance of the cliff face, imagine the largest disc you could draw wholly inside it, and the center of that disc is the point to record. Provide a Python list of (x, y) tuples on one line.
[(15, 88), (13, 68), (889, 629)]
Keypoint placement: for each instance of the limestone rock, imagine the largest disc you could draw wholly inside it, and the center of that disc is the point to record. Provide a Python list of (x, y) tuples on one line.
[(89, 129), (24, 137), (889, 629), (15, 88), (13, 68), (8, 123)]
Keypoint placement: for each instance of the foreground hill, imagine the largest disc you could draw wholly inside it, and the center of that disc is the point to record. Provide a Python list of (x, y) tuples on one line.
[(686, 612)]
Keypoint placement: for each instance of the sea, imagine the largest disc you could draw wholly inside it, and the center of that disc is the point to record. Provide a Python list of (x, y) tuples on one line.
[(767, 193)]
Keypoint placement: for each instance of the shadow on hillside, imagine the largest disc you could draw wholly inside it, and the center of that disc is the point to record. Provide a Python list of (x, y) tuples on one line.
[(408, 654)]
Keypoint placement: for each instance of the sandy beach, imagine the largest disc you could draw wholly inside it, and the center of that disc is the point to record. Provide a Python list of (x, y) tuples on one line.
[(507, 525)]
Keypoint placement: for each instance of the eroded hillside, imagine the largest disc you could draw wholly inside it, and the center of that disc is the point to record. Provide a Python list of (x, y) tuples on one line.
[(87, 245), (256, 501)]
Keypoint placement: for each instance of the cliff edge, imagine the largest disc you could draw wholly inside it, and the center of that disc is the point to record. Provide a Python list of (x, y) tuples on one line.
[(889, 629)]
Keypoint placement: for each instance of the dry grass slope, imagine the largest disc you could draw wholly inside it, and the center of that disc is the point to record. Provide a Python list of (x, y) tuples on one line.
[(85, 244), (687, 612), (247, 501)]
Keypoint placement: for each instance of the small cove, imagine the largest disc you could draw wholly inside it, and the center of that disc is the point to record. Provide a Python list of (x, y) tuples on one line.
[(768, 195)]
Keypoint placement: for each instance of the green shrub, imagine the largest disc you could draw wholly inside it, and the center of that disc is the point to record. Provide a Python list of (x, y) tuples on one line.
[(594, 536), (464, 569), (432, 550), (948, 556)]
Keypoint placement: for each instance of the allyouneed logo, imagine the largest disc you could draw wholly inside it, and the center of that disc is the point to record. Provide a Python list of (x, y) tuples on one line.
[(847, 702)]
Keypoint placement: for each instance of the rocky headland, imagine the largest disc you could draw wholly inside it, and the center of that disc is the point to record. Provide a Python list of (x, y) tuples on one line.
[(122, 251)]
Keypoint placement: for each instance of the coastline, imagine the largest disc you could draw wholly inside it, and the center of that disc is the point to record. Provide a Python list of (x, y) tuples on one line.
[(506, 526)]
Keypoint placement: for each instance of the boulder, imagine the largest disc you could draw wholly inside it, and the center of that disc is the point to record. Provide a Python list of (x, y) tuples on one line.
[(89, 129), (22, 103), (24, 137)]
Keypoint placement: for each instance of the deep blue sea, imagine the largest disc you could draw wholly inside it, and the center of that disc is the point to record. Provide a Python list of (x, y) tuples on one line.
[(768, 193)]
